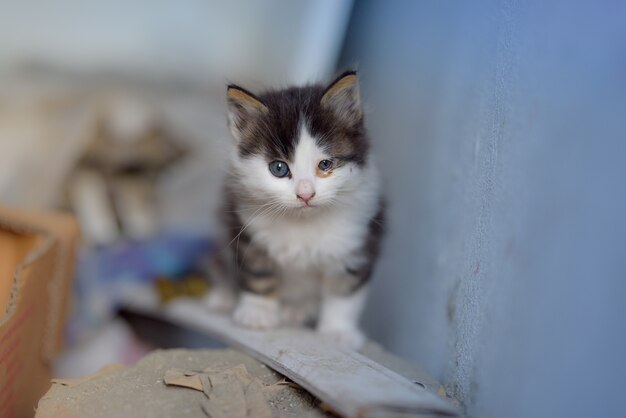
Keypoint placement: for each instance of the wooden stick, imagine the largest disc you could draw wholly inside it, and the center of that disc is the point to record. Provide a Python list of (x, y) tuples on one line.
[(350, 383)]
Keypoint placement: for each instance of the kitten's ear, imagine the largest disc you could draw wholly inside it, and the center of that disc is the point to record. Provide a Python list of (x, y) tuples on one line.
[(243, 107), (343, 98)]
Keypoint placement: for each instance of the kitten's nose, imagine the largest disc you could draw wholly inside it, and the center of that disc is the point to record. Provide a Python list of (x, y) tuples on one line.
[(305, 190), (306, 197)]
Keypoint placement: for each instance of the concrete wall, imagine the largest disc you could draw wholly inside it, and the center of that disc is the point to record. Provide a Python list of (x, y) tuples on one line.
[(501, 131)]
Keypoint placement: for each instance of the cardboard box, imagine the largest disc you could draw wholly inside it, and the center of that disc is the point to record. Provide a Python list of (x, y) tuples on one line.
[(37, 254)]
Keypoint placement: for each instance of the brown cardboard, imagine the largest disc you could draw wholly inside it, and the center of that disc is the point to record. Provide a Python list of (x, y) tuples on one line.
[(36, 267)]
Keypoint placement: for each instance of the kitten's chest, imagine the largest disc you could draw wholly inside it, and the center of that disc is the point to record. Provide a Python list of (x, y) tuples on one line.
[(305, 243)]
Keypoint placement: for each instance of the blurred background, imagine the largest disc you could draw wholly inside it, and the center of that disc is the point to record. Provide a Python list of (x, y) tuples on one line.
[(499, 128)]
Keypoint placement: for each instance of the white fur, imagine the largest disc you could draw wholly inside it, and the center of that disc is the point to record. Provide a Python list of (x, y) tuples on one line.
[(254, 311), (305, 189), (339, 317), (220, 299)]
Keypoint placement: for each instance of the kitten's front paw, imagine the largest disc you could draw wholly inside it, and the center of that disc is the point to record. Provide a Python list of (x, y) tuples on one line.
[(351, 338), (255, 311), (220, 300)]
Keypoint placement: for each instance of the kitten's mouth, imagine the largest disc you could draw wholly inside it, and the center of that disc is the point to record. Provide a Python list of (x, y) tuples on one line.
[(305, 206)]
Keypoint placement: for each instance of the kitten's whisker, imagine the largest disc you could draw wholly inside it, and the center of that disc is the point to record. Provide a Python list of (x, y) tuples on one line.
[(265, 211), (252, 218), (273, 215), (251, 207)]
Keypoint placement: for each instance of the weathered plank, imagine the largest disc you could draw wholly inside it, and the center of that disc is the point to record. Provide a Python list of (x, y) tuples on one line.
[(350, 383)]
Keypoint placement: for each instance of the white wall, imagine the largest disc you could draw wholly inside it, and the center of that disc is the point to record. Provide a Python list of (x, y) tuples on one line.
[(500, 131), (255, 41)]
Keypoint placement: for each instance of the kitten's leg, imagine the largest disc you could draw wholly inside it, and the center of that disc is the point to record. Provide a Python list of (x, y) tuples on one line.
[(344, 290), (258, 305), (220, 299), (257, 311), (340, 314)]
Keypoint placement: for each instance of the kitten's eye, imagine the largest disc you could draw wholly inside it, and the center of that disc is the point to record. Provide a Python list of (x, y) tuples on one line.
[(279, 168), (325, 165)]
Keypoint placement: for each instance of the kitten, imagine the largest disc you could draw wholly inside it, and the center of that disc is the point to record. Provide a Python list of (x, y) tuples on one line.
[(303, 208)]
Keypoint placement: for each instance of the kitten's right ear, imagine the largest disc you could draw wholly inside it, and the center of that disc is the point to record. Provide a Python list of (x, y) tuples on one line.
[(343, 99), (243, 107)]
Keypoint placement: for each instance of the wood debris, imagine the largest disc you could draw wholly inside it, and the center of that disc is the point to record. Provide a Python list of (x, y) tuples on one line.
[(183, 378), (231, 392)]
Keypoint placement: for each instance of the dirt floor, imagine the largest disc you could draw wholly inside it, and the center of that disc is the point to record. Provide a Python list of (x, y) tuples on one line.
[(140, 390)]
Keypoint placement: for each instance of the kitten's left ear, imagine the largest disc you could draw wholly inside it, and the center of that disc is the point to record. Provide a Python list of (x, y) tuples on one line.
[(243, 107), (343, 98)]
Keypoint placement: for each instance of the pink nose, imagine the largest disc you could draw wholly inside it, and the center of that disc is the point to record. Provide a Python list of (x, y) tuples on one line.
[(305, 197), (305, 190)]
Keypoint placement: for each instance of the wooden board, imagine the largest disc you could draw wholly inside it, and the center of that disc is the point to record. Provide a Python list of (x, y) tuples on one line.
[(350, 383)]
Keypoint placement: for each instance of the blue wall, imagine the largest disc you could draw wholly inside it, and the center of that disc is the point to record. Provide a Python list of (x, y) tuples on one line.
[(501, 131)]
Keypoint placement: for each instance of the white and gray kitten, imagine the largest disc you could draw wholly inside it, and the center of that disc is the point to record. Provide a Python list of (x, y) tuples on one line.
[(303, 210)]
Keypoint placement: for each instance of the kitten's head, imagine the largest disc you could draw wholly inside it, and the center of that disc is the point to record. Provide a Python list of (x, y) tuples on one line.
[(301, 147)]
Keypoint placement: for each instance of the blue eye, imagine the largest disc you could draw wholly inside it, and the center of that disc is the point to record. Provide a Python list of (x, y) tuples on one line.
[(279, 168), (325, 165)]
